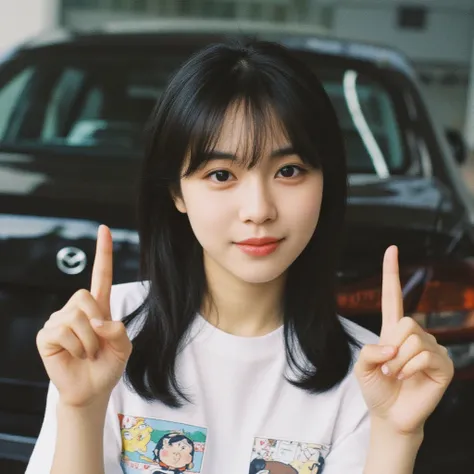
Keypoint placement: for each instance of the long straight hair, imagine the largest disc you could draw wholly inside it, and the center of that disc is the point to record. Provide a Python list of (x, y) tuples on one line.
[(266, 79)]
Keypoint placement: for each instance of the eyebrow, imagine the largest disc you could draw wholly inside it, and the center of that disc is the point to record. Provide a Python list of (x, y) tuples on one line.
[(278, 153)]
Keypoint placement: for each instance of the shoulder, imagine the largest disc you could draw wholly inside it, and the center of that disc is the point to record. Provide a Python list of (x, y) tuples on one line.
[(127, 297), (361, 334)]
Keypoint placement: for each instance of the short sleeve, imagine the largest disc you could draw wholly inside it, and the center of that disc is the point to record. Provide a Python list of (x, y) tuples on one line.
[(41, 459), (125, 298)]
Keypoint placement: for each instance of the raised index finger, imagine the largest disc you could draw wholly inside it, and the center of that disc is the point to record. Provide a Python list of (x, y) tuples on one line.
[(392, 298), (102, 270)]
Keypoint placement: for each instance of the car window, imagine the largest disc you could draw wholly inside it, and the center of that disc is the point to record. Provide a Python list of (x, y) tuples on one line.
[(95, 102), (9, 96), (369, 123)]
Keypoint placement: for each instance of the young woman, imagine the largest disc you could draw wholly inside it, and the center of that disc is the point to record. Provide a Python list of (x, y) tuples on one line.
[(239, 362)]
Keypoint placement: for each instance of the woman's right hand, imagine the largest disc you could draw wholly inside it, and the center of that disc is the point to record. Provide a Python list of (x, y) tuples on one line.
[(83, 350)]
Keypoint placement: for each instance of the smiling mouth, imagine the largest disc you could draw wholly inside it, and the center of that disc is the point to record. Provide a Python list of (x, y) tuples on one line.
[(261, 247)]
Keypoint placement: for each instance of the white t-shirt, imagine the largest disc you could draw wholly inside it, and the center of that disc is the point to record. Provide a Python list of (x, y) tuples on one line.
[(246, 418)]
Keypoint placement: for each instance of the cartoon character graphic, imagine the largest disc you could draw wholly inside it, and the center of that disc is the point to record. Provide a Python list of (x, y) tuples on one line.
[(314, 467), (260, 466), (274, 456), (175, 453), (136, 434), (318, 466), (161, 446), (265, 448)]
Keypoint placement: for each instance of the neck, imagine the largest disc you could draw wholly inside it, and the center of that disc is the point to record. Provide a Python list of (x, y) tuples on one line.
[(241, 308)]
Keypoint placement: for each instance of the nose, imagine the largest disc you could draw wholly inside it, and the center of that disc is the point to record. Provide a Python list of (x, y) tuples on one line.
[(257, 204)]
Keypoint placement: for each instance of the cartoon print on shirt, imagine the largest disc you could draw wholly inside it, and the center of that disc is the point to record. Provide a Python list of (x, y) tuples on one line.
[(175, 452), (264, 448), (136, 434), (272, 456), (161, 447)]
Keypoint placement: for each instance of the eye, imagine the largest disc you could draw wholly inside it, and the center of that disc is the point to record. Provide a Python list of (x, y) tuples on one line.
[(291, 171), (220, 176)]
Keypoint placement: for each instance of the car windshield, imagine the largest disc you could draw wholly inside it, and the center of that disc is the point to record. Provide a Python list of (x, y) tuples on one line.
[(96, 102)]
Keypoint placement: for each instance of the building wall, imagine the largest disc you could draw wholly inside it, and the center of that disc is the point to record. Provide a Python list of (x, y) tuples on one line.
[(268, 10), (447, 36), (20, 19)]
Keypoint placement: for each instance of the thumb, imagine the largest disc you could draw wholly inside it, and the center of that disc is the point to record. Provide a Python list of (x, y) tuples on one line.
[(115, 334), (373, 355)]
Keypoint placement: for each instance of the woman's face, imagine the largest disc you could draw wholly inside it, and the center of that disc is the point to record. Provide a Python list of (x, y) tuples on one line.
[(227, 203)]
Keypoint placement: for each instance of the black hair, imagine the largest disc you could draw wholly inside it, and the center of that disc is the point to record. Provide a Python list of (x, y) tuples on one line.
[(264, 77), (257, 465), (173, 439)]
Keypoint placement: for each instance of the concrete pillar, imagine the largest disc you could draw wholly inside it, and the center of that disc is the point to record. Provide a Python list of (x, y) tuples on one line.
[(21, 19)]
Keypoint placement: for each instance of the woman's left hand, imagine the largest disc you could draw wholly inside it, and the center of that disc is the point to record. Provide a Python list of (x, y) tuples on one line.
[(402, 387)]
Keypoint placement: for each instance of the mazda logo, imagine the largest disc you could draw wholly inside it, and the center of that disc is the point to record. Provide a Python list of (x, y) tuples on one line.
[(71, 260)]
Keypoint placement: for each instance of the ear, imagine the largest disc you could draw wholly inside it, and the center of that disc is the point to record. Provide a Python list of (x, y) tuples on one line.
[(178, 200), (179, 203)]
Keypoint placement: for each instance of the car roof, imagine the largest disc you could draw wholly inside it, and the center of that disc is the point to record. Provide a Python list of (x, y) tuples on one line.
[(310, 38)]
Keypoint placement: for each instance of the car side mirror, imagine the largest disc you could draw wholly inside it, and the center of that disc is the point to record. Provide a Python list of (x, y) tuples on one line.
[(458, 146)]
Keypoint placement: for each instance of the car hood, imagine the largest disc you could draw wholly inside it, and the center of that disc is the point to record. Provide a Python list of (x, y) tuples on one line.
[(419, 215)]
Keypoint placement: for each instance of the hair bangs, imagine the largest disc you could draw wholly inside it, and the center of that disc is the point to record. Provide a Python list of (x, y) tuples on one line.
[(257, 131), (271, 106)]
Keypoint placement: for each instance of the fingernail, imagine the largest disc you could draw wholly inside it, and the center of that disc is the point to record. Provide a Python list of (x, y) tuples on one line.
[(387, 350), (385, 369), (97, 323), (400, 376)]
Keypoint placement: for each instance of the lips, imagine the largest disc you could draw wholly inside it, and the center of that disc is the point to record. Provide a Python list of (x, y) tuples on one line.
[(259, 241), (259, 247)]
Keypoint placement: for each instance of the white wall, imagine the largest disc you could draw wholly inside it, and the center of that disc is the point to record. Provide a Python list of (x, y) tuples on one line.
[(20, 19), (445, 4), (91, 19), (447, 37)]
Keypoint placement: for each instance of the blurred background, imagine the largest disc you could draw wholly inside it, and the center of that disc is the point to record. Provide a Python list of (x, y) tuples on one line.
[(437, 35), (78, 80)]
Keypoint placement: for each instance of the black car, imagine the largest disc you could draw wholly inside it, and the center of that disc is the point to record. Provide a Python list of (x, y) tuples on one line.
[(73, 107)]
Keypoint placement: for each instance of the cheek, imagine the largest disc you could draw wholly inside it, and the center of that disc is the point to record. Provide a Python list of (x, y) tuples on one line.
[(164, 453), (302, 208), (207, 213)]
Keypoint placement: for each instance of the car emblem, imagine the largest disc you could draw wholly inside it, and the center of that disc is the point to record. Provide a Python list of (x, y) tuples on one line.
[(71, 260)]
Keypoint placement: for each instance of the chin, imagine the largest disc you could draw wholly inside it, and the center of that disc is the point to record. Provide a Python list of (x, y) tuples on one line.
[(259, 275), (255, 271)]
